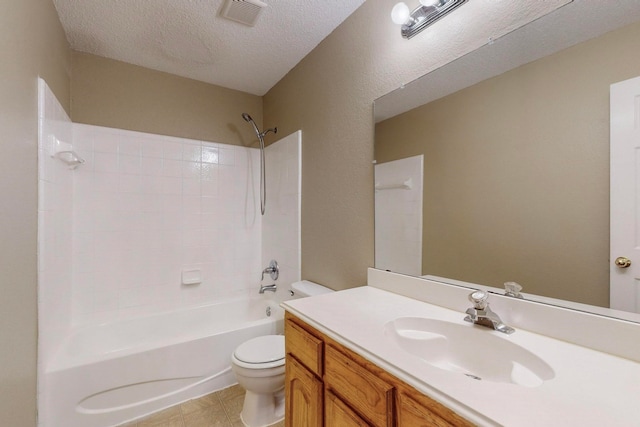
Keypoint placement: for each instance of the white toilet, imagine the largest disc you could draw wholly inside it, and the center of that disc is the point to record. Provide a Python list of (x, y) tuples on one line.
[(259, 367)]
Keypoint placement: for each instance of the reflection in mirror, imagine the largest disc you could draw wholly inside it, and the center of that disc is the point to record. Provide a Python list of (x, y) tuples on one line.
[(398, 215), (516, 167)]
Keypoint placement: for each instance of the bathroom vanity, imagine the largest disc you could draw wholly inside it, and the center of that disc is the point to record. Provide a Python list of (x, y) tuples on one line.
[(373, 357), (326, 380)]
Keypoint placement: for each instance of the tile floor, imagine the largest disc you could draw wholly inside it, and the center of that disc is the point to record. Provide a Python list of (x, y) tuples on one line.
[(219, 409)]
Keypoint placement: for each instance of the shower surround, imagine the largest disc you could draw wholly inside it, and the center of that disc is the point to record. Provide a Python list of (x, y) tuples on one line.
[(116, 234)]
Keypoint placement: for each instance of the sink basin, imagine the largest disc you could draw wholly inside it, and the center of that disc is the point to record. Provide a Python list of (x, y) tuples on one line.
[(471, 350)]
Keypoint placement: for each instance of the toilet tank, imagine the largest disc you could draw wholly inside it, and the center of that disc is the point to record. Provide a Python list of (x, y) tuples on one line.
[(306, 288)]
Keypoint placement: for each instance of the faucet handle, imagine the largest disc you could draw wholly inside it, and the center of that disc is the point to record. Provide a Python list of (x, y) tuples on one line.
[(479, 299), (512, 289), (273, 270)]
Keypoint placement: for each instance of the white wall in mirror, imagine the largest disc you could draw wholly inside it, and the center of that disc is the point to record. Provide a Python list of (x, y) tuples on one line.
[(398, 215)]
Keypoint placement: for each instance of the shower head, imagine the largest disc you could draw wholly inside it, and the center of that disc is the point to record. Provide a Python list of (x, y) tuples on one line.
[(248, 118), (260, 135)]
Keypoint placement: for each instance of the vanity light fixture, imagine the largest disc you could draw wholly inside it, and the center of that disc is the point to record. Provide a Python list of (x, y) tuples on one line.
[(421, 17)]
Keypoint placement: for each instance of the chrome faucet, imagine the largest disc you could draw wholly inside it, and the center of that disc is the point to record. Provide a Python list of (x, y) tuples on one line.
[(272, 270), (269, 288), (481, 314)]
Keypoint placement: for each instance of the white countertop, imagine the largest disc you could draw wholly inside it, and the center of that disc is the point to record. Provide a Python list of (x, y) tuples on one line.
[(590, 388)]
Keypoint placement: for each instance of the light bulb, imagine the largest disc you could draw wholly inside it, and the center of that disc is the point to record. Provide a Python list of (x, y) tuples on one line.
[(400, 13)]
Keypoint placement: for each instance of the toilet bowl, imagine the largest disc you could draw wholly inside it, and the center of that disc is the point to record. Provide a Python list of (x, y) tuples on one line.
[(259, 367)]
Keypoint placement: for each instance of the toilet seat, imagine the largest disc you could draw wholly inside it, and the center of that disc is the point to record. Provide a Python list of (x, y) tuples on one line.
[(261, 352)]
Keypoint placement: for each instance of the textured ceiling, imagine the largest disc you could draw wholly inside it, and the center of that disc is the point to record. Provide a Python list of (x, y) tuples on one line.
[(189, 38)]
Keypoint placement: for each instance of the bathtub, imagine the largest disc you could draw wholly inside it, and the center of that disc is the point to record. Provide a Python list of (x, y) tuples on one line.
[(115, 372)]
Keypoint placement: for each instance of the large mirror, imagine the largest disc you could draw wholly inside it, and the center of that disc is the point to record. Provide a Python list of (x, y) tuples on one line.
[(513, 146)]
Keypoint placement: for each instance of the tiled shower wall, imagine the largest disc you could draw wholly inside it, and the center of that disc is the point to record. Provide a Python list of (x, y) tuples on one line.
[(116, 233), (147, 208)]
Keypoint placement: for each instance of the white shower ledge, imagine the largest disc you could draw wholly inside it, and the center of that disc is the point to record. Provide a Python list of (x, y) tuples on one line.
[(590, 387)]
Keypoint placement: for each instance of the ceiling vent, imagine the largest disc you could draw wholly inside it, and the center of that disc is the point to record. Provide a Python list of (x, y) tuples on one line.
[(243, 11)]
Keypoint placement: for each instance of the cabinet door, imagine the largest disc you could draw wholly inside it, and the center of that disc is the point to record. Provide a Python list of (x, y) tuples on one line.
[(338, 414), (303, 396)]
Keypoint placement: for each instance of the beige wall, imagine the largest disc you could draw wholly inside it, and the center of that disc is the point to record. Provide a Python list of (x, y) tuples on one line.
[(329, 95), (105, 92), (517, 172), (32, 43), (329, 107)]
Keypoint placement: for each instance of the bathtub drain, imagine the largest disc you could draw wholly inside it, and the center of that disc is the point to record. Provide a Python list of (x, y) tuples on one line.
[(268, 311)]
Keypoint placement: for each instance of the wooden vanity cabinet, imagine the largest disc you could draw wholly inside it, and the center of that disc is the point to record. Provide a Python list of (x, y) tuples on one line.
[(329, 385), (358, 386), (427, 413), (303, 396), (338, 413)]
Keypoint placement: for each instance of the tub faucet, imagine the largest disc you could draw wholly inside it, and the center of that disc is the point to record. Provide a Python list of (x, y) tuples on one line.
[(481, 314), (270, 288)]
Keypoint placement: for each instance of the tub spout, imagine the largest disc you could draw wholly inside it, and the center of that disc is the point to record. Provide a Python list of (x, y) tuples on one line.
[(270, 288)]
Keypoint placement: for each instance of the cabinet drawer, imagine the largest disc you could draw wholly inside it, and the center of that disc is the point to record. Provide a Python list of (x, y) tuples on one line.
[(411, 413), (426, 413), (304, 346), (337, 413), (372, 397)]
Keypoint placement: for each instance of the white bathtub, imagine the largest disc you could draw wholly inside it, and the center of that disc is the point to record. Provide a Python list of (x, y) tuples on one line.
[(115, 372)]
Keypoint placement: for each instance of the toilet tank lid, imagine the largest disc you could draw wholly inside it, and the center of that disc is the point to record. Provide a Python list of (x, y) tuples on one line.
[(307, 288), (268, 348)]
